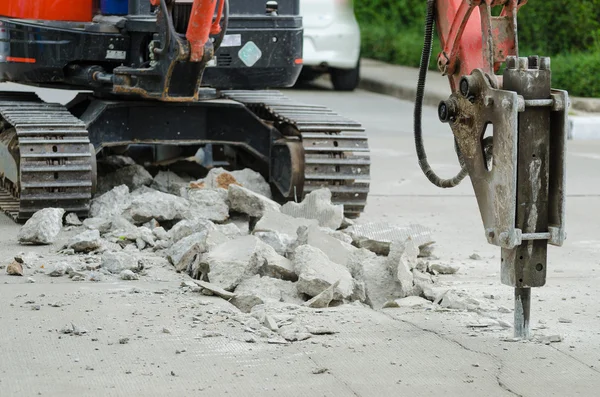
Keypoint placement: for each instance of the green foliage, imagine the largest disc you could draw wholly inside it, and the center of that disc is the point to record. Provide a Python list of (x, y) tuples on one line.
[(566, 30)]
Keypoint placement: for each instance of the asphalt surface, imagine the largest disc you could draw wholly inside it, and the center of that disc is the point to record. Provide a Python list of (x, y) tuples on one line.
[(391, 352)]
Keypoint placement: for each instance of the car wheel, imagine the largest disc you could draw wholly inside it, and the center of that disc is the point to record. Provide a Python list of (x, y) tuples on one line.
[(345, 79)]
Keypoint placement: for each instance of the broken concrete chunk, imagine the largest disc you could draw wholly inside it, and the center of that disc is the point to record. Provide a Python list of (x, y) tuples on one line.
[(254, 181), (269, 290), (183, 253), (128, 275), (378, 237), (86, 241), (220, 178), (116, 262), (281, 243), (273, 221), (157, 205), (323, 299), (444, 269), (133, 176), (146, 235), (72, 219), (402, 260), (111, 203), (317, 205), (373, 270), (316, 273), (337, 234), (248, 202), (168, 182), (246, 302), (233, 261), (43, 227), (103, 225), (160, 233), (230, 230), (14, 269), (187, 227), (60, 269), (207, 204), (336, 250)]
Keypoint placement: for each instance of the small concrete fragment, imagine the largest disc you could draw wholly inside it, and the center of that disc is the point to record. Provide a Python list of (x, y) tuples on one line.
[(72, 220), (14, 269), (215, 289), (317, 205), (168, 182), (157, 205), (410, 302), (402, 260), (86, 241), (246, 302), (128, 275), (43, 227), (116, 262), (60, 269), (323, 299), (134, 176), (294, 332), (316, 273), (253, 181), (248, 202), (444, 269), (207, 204), (475, 257), (378, 237)]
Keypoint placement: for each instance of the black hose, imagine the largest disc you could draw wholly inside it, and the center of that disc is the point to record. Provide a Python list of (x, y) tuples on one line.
[(421, 155), (225, 19), (165, 11)]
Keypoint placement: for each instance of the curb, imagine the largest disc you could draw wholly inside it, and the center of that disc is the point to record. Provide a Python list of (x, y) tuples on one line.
[(582, 126)]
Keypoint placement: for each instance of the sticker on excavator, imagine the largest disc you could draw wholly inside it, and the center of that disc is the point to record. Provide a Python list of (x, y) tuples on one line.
[(113, 54), (232, 40), (250, 54)]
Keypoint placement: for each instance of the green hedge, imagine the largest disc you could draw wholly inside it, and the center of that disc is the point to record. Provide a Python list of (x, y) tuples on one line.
[(566, 30)]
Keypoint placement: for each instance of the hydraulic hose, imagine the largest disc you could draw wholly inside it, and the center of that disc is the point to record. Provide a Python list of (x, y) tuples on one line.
[(421, 155), (225, 18)]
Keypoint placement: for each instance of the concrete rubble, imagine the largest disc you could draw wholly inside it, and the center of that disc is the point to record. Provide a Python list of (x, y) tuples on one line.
[(226, 234), (43, 227)]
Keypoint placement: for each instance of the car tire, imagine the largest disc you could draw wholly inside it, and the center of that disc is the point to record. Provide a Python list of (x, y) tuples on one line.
[(345, 79)]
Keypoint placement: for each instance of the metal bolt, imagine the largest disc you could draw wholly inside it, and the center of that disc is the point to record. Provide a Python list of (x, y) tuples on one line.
[(545, 63), (447, 110), (511, 62), (534, 62), (523, 63)]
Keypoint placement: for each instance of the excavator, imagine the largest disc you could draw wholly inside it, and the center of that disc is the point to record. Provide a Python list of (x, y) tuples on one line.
[(192, 79), (196, 79)]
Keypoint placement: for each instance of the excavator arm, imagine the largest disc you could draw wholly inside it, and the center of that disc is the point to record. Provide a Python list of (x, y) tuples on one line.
[(510, 133)]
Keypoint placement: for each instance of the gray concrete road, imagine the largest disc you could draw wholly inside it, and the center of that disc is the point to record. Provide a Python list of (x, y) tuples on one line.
[(420, 352)]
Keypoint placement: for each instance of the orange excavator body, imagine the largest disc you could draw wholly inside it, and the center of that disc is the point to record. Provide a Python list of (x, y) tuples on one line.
[(50, 10)]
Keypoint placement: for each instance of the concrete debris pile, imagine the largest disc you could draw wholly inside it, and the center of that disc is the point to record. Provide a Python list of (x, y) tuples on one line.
[(234, 241)]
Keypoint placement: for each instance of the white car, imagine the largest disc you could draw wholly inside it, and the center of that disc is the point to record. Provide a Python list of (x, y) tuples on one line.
[(331, 42)]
